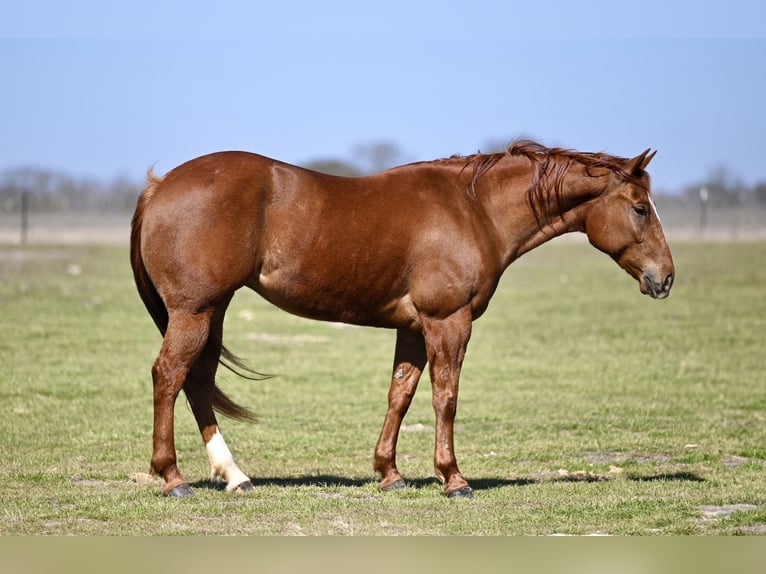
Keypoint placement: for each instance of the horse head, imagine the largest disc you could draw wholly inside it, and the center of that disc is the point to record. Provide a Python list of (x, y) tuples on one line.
[(623, 222)]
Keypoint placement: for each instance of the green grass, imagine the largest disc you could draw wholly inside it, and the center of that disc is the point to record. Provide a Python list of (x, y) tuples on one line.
[(585, 407)]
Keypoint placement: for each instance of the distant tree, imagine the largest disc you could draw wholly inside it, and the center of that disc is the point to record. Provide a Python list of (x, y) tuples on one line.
[(50, 190), (724, 187), (759, 192), (378, 156), (120, 195), (42, 187), (334, 167)]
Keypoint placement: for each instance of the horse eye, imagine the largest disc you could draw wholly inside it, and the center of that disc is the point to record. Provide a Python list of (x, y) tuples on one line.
[(641, 210)]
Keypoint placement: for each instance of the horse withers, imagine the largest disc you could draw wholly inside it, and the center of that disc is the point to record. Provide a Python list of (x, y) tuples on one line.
[(419, 248)]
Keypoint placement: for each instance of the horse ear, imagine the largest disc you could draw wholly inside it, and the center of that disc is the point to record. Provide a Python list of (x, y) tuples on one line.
[(647, 159), (637, 165)]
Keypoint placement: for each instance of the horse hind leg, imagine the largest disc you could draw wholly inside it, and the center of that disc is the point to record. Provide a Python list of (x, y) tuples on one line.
[(185, 338), (200, 390)]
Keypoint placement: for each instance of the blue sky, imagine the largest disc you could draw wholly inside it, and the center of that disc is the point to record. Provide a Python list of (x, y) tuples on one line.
[(101, 91)]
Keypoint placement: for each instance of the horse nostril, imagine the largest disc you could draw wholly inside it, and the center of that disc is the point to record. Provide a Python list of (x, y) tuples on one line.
[(668, 283)]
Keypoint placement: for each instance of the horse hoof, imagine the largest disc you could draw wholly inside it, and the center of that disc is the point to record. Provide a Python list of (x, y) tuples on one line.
[(396, 485), (182, 491), (464, 492), (246, 486)]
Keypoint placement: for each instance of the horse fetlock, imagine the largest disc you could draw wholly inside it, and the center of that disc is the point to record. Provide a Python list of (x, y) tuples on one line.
[(222, 465), (165, 467), (457, 487), (386, 468), (176, 486), (235, 480)]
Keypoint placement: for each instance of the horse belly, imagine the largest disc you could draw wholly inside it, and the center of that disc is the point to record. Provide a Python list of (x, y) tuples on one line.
[(335, 297)]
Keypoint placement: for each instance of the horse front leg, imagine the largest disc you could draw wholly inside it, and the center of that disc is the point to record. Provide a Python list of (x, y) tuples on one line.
[(409, 361), (446, 341)]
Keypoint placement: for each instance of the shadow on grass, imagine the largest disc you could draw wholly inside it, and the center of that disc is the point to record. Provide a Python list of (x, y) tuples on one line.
[(668, 476), (325, 481), (293, 481)]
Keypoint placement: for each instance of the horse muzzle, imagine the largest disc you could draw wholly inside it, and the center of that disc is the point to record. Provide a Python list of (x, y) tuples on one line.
[(656, 289)]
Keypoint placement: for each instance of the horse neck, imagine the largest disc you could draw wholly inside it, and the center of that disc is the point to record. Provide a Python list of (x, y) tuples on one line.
[(520, 229)]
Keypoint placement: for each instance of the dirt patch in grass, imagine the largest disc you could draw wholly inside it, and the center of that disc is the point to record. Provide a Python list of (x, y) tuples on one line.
[(735, 461), (713, 512), (614, 457)]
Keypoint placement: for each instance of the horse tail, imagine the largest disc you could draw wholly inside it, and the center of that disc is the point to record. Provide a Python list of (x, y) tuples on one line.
[(146, 289), (159, 312)]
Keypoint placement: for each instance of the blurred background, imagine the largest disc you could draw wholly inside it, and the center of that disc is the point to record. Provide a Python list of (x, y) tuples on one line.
[(94, 95)]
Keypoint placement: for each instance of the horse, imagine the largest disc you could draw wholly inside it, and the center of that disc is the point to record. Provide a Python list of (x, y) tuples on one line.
[(418, 248)]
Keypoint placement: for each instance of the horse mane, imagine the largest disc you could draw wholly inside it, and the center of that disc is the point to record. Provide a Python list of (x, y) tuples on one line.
[(550, 167)]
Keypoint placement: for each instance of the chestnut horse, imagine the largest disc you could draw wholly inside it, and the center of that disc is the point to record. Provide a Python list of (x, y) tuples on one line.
[(419, 248)]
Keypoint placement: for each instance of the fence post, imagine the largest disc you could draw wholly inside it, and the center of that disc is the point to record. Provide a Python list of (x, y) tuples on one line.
[(24, 216), (704, 196)]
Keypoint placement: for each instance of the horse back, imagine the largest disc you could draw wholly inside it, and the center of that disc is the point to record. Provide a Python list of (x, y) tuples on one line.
[(326, 247)]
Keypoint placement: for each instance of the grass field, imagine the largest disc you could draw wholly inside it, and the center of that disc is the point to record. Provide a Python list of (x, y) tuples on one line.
[(585, 407)]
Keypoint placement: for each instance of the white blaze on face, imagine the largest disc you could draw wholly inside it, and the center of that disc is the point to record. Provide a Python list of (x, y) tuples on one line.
[(654, 209), (222, 465)]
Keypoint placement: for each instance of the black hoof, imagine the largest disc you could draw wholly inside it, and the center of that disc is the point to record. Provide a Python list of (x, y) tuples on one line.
[(396, 485), (246, 486), (464, 492), (182, 491)]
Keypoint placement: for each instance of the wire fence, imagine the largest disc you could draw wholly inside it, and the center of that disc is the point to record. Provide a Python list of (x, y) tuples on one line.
[(681, 222)]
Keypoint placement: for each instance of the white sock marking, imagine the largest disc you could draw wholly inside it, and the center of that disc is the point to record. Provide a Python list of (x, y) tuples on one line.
[(222, 465)]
